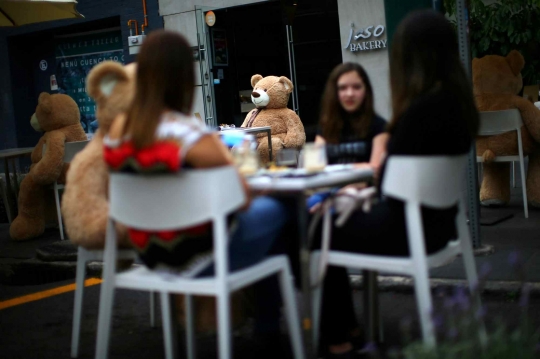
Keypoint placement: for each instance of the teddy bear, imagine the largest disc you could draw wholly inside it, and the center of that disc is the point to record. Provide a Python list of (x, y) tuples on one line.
[(85, 205), (270, 96), (496, 82), (58, 117)]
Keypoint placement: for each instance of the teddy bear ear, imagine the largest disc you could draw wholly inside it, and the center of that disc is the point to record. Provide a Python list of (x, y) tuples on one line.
[(103, 78), (287, 83), (516, 61), (44, 102), (255, 79)]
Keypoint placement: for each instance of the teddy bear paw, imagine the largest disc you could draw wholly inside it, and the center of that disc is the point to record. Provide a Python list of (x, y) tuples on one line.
[(25, 228), (494, 202)]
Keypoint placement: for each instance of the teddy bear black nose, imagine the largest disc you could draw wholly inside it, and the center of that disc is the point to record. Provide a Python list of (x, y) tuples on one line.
[(255, 94)]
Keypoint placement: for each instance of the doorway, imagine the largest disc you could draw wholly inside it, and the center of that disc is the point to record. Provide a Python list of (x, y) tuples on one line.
[(297, 39)]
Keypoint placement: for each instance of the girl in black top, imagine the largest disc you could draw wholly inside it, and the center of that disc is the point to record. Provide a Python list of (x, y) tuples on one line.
[(348, 123), (433, 114)]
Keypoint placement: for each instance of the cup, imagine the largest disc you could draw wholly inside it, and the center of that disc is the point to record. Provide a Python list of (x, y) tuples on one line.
[(314, 157), (246, 158)]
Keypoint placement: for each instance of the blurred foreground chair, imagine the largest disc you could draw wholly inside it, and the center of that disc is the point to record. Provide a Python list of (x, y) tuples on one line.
[(70, 150), (176, 201), (434, 181), (498, 122)]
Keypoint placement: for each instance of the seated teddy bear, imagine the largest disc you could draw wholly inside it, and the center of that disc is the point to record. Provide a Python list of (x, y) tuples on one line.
[(271, 95), (58, 117)]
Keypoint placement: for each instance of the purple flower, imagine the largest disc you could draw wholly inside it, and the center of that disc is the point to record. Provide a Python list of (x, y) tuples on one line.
[(485, 270), (525, 294), (480, 313), (438, 320), (461, 298), (370, 348), (513, 258), (452, 333)]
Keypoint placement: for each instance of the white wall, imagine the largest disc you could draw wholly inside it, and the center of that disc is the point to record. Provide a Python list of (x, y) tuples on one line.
[(365, 13)]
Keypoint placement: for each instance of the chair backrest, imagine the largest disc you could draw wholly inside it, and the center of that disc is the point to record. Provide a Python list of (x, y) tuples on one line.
[(70, 149), (497, 122), (435, 181), (174, 201)]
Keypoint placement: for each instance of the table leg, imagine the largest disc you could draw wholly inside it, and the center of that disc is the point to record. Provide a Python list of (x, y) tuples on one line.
[(9, 193), (305, 256), (270, 154), (371, 307)]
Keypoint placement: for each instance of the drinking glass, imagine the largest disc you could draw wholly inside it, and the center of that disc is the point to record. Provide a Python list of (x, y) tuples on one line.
[(314, 157)]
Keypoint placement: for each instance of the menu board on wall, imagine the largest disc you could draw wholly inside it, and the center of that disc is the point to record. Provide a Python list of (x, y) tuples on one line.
[(75, 56)]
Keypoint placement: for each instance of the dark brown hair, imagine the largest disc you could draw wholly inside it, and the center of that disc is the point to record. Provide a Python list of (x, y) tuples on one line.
[(165, 81), (424, 58), (333, 114)]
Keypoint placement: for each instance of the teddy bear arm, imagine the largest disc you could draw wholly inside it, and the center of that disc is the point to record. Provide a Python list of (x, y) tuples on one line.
[(49, 168), (296, 136), (530, 116), (37, 152)]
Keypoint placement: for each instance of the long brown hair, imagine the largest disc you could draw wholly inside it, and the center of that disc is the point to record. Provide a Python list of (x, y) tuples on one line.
[(424, 58), (333, 115), (165, 81)]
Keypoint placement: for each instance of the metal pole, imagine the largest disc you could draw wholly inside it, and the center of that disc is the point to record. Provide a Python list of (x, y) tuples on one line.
[(292, 68), (462, 15)]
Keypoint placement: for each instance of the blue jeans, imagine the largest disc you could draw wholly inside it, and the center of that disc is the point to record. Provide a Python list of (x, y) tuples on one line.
[(255, 232)]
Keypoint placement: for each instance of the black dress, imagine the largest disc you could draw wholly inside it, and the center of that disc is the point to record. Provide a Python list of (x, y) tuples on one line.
[(433, 125), (353, 148)]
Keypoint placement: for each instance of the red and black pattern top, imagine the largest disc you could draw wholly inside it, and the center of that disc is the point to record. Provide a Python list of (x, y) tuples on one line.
[(187, 250)]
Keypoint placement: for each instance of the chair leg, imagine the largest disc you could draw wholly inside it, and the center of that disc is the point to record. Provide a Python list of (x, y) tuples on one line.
[(472, 279), (190, 327), (78, 305), (524, 187), (58, 210), (106, 301), (224, 325), (168, 327), (152, 309), (513, 174), (425, 308), (291, 310)]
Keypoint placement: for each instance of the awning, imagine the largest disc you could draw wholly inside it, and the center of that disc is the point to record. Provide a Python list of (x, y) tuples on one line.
[(22, 12)]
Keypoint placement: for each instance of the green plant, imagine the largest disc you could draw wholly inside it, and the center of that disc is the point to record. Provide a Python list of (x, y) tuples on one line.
[(460, 328), (502, 26)]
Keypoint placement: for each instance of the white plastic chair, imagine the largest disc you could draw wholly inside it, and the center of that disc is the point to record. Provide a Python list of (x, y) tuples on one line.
[(70, 150), (83, 257), (164, 202), (434, 181), (497, 122)]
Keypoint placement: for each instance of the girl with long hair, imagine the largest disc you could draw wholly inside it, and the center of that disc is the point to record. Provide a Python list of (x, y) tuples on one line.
[(433, 114)]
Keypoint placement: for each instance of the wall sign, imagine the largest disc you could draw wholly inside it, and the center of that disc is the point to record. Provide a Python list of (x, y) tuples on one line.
[(75, 57), (43, 65), (366, 39)]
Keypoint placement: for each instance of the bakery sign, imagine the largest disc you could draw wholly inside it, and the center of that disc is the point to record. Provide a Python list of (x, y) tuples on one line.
[(366, 39)]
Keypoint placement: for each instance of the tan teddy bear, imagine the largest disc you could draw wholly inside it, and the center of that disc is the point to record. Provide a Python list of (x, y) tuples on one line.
[(85, 205), (271, 95), (497, 81), (58, 117)]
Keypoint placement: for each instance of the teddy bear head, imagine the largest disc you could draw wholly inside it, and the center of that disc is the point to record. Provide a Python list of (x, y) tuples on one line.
[(54, 112), (270, 91), (112, 86), (493, 74)]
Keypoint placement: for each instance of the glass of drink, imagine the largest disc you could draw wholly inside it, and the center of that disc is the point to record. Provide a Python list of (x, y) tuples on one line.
[(314, 157)]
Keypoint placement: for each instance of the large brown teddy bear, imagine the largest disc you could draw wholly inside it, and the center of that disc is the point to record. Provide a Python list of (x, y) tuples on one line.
[(85, 205), (497, 81), (59, 117), (271, 95)]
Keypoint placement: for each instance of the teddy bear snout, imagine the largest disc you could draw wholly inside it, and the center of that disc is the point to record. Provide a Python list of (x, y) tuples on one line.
[(260, 98)]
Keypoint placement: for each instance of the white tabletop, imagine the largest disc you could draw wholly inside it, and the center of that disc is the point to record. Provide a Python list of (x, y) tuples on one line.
[(333, 176), (248, 129), (15, 152)]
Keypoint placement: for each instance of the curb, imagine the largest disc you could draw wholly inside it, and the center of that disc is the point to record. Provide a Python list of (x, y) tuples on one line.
[(406, 284)]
